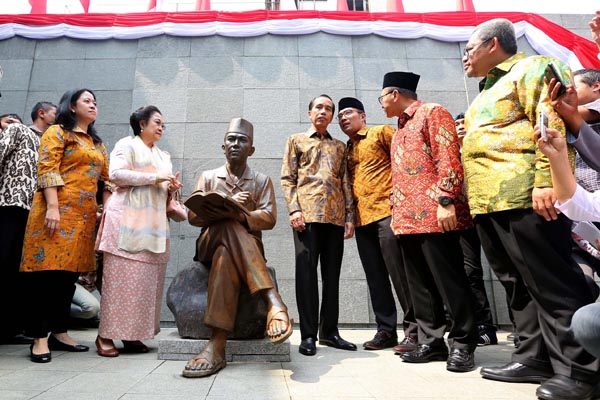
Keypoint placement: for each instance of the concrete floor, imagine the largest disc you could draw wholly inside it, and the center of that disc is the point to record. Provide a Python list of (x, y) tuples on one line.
[(331, 374)]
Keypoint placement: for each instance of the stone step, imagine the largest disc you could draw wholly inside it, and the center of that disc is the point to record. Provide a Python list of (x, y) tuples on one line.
[(174, 347)]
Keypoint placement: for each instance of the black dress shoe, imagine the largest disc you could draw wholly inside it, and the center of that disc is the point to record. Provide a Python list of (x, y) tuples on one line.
[(308, 347), (382, 340), (40, 358), (337, 342), (516, 372), (55, 344), (425, 353), (561, 387), (460, 360)]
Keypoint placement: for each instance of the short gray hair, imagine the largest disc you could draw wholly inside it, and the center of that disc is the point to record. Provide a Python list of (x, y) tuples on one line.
[(589, 76), (502, 29)]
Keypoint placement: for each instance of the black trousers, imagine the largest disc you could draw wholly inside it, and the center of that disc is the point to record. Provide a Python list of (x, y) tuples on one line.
[(13, 220), (50, 295), (532, 259), (324, 243), (471, 247), (435, 273), (381, 257)]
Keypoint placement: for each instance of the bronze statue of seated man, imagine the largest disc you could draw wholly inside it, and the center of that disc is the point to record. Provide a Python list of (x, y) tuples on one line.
[(230, 242)]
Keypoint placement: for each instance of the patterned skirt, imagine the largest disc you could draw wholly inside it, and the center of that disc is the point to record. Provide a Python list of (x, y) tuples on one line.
[(131, 299)]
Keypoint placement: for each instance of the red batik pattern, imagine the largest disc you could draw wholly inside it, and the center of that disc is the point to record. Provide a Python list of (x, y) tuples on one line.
[(425, 165)]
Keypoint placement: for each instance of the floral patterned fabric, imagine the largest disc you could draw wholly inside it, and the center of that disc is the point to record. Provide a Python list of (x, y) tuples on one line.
[(502, 162), (72, 162), (425, 166), (370, 169), (18, 166), (132, 293), (315, 180)]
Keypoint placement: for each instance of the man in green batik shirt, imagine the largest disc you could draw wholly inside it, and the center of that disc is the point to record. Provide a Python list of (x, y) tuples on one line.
[(511, 198)]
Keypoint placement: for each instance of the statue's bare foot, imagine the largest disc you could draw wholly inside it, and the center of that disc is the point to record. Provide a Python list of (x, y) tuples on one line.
[(279, 324), (208, 362)]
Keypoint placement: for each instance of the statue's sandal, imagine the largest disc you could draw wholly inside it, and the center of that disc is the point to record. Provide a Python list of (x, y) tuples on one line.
[(274, 314), (215, 366)]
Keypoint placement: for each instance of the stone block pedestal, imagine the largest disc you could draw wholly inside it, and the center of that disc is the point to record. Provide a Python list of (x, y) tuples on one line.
[(187, 297), (173, 347)]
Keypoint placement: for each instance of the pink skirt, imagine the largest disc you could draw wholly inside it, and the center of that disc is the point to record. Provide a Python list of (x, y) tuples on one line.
[(131, 298)]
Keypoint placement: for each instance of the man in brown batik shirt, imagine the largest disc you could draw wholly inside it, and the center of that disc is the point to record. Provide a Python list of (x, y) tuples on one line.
[(315, 183)]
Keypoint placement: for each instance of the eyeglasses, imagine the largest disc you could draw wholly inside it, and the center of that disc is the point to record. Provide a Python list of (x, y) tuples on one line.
[(468, 52), (345, 114), (158, 122), (380, 98)]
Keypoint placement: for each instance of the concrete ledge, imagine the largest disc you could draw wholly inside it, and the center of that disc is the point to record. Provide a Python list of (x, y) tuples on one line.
[(173, 347)]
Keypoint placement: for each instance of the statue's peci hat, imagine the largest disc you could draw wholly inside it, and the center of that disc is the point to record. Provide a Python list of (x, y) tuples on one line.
[(240, 125)]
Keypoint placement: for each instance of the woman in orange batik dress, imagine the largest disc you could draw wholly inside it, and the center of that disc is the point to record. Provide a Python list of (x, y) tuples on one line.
[(59, 238)]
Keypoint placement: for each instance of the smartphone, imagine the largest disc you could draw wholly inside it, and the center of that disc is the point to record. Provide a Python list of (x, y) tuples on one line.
[(552, 72), (543, 124)]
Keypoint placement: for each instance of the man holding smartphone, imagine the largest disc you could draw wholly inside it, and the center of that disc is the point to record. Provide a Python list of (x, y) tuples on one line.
[(511, 198)]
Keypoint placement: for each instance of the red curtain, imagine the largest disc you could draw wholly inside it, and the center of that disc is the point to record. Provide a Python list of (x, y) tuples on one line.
[(465, 5), (342, 5), (395, 6), (86, 5), (202, 5), (38, 6)]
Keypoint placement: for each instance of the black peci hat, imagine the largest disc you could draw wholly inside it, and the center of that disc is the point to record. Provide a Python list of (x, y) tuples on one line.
[(350, 102), (402, 80)]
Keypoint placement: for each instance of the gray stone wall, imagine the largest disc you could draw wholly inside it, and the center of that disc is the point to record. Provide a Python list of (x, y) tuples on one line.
[(201, 83)]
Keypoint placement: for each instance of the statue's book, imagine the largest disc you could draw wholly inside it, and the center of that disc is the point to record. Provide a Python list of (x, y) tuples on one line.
[(199, 201)]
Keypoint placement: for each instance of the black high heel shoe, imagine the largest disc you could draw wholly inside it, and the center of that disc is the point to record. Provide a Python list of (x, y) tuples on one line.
[(55, 344), (40, 358)]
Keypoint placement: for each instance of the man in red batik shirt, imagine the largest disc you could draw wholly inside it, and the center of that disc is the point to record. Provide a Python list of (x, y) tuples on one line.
[(428, 209)]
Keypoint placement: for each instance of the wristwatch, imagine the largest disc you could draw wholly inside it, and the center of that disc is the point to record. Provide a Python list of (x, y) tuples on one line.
[(445, 200)]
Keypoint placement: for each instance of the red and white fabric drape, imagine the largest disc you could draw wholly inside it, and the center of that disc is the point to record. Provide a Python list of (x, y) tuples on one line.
[(543, 35), (86, 5), (394, 6), (465, 5), (155, 5), (38, 6), (202, 5), (41, 6)]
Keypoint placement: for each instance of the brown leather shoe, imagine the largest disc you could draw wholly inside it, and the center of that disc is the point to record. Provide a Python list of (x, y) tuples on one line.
[(405, 346), (382, 340), (110, 351)]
